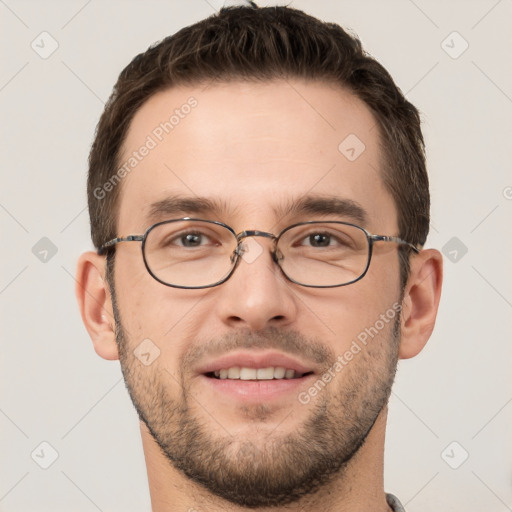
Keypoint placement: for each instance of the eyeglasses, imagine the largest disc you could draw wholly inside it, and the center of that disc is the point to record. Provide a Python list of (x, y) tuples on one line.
[(196, 253)]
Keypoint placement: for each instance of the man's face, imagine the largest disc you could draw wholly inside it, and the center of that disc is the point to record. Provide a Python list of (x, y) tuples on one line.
[(256, 151)]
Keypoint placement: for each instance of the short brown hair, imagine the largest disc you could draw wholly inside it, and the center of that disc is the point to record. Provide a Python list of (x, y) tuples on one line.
[(262, 44)]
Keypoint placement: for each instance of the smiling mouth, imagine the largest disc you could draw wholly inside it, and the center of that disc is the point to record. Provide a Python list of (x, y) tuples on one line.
[(245, 373)]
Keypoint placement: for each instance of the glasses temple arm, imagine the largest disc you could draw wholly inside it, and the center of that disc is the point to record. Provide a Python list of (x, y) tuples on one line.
[(384, 238), (114, 241)]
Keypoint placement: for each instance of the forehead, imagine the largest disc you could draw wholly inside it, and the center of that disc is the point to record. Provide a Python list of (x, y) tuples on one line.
[(253, 150)]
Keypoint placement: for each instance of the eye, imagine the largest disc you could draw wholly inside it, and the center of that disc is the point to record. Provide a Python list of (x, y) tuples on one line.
[(191, 239), (324, 239), (194, 239), (186, 240), (319, 240)]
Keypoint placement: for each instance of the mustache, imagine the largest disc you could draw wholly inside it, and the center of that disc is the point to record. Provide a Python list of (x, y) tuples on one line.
[(285, 340)]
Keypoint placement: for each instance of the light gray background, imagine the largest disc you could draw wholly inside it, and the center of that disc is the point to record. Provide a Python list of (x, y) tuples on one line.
[(54, 387)]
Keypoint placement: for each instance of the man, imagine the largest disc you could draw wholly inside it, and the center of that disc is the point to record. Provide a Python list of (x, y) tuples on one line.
[(259, 204)]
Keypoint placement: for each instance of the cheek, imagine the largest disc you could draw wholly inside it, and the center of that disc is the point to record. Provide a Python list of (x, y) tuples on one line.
[(383, 276), (131, 295), (155, 315), (368, 306)]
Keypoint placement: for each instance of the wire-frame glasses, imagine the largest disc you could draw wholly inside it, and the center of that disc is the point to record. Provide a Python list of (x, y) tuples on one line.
[(196, 253)]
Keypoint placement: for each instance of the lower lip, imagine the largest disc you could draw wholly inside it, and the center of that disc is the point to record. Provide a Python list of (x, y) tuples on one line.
[(257, 390)]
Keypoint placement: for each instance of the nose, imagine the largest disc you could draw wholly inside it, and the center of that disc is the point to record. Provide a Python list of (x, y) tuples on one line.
[(257, 295)]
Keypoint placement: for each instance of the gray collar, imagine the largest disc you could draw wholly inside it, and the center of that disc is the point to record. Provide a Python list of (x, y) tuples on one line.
[(394, 503)]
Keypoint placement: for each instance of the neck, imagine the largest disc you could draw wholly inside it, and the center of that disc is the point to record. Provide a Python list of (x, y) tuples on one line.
[(359, 488)]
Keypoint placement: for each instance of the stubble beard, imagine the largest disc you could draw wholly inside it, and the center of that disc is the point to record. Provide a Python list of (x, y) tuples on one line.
[(286, 466)]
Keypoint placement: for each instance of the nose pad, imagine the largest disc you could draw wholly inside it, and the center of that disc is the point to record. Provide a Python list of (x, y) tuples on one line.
[(277, 256), (249, 250), (237, 253)]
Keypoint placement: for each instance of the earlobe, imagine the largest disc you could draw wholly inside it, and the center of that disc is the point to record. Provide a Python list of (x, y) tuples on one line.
[(95, 304), (421, 301)]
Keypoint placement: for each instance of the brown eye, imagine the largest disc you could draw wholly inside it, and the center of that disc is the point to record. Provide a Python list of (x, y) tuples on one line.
[(319, 240), (191, 240)]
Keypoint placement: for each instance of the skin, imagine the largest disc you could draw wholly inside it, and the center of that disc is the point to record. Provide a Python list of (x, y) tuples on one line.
[(254, 148)]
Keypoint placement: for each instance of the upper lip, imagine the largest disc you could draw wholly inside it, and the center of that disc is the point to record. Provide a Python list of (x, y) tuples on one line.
[(255, 360)]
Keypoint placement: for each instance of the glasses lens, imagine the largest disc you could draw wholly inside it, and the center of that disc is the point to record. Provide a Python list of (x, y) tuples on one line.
[(189, 253), (324, 253)]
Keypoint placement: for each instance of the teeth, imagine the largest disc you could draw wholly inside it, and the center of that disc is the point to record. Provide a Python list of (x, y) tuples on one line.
[(289, 374), (234, 373), (248, 373), (265, 373), (279, 372), (242, 373)]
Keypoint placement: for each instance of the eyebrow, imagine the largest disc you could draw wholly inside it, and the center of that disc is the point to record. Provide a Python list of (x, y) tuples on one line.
[(325, 205), (186, 206), (311, 204)]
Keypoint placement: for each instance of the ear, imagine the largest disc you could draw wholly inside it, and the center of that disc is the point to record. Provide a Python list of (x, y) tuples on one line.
[(421, 300), (95, 303)]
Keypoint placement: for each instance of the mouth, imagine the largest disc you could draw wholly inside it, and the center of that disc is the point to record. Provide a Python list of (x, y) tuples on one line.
[(255, 376), (247, 373)]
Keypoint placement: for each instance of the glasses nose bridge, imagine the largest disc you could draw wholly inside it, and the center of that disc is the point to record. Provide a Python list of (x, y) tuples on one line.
[(253, 233)]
